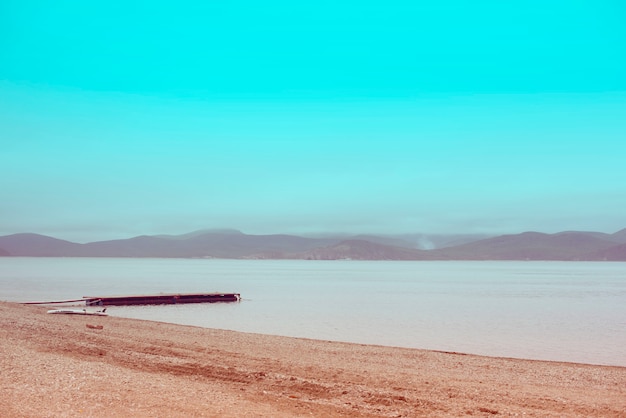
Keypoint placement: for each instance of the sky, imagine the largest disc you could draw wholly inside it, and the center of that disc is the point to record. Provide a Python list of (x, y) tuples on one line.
[(126, 118)]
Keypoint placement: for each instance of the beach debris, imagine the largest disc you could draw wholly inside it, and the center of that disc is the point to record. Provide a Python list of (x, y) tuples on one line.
[(90, 326)]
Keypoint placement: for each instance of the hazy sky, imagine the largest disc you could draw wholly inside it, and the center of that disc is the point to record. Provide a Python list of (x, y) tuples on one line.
[(126, 118)]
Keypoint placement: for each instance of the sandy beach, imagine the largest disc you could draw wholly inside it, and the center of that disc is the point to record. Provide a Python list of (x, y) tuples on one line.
[(83, 366)]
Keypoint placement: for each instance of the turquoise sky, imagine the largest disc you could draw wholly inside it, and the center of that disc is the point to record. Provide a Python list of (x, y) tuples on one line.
[(128, 118)]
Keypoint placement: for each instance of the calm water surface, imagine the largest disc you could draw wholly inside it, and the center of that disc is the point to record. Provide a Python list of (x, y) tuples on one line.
[(569, 311)]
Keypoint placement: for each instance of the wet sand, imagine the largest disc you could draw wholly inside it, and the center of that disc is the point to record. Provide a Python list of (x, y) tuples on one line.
[(83, 366)]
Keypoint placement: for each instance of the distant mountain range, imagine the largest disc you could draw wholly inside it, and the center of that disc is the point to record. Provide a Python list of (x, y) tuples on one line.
[(570, 245)]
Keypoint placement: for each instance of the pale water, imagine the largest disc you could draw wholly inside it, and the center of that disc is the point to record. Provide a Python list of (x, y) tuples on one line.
[(566, 311)]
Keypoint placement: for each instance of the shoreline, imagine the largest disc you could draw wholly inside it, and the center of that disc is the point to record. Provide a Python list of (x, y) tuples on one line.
[(546, 353), (59, 366)]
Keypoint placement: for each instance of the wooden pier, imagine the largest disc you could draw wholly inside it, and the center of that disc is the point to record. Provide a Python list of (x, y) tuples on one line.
[(161, 299)]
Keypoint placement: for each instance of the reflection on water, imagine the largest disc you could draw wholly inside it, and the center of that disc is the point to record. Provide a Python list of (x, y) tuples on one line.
[(568, 311)]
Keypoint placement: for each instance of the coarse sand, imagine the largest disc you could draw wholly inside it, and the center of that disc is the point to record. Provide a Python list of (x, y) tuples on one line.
[(69, 366)]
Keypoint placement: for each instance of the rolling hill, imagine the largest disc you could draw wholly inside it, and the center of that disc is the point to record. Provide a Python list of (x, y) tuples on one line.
[(568, 246), (533, 246), (35, 245)]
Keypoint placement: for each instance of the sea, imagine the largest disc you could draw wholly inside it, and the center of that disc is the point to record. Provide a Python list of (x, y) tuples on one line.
[(544, 310)]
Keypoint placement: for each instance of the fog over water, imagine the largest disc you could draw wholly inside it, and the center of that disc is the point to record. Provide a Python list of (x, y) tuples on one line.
[(565, 311)]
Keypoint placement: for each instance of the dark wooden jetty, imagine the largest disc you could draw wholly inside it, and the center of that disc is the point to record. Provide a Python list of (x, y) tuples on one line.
[(161, 299)]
